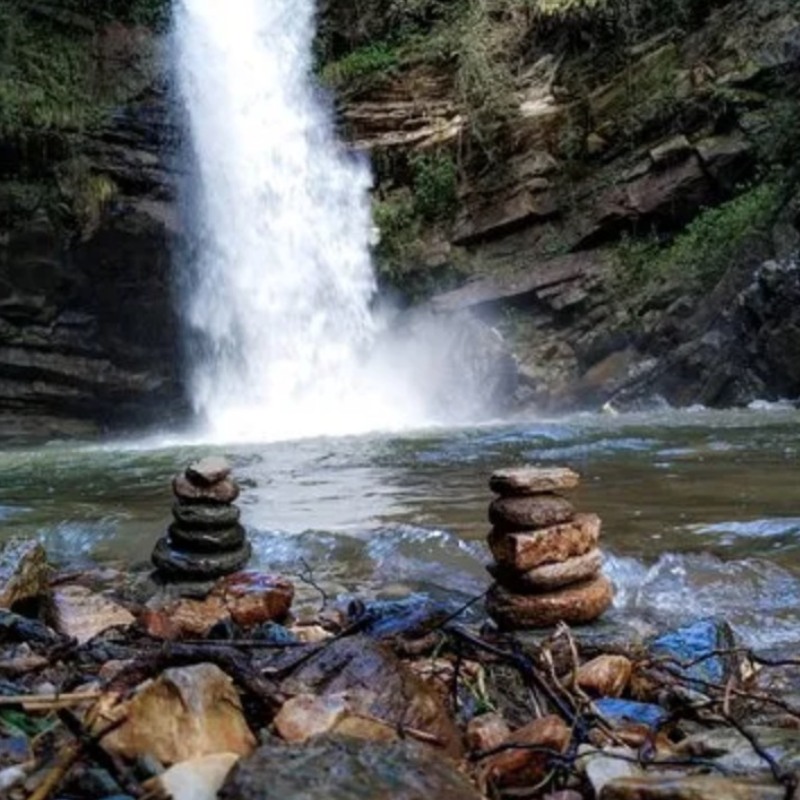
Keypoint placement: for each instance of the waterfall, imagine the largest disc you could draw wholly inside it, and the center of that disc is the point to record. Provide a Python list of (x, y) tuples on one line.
[(279, 282)]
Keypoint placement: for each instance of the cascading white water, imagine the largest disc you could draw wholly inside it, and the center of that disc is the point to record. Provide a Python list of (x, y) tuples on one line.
[(280, 278)]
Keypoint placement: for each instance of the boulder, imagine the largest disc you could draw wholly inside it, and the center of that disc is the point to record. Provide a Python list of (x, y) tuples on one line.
[(81, 614), (184, 714), (509, 514), (346, 769), (524, 766), (532, 480), (575, 605), (549, 576), (522, 552), (24, 573), (206, 517), (223, 492), (208, 471)]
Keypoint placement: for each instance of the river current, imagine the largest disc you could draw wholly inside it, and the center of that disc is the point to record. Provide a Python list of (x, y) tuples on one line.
[(701, 509)]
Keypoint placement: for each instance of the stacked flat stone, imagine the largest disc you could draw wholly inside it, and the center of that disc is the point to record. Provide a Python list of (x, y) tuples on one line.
[(206, 540), (547, 561)]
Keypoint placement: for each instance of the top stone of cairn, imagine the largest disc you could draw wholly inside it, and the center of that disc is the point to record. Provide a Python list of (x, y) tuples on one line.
[(532, 480), (208, 471)]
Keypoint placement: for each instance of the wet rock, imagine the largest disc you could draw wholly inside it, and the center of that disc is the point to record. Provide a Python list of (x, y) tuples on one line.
[(184, 714), (699, 641), (24, 573), (689, 787), (525, 551), (622, 712), (253, 598), (532, 480), (510, 514), (379, 685), (184, 619), (208, 471), (613, 763), (309, 634), (306, 716), (205, 517), (182, 563), (735, 755), (525, 766), (486, 732), (550, 576), (346, 769), (224, 492), (81, 614), (207, 539), (197, 779), (412, 616), (15, 628), (576, 605), (605, 676)]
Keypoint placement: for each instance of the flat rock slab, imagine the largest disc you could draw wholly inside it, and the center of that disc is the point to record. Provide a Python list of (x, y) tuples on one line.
[(509, 514), (522, 552), (575, 605), (690, 787), (346, 769), (549, 576), (202, 515), (221, 493), (532, 480), (81, 614), (183, 564), (208, 471), (208, 541)]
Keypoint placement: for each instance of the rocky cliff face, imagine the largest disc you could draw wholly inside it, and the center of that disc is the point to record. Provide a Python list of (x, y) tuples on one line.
[(582, 232), (88, 336)]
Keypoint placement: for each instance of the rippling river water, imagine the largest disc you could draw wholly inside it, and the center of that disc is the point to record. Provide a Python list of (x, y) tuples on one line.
[(701, 509)]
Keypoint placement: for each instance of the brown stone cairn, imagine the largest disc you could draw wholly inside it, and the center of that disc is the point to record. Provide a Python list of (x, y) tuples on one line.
[(206, 540), (547, 563)]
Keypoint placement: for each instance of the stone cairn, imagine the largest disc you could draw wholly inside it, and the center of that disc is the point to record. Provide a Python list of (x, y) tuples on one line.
[(547, 562), (206, 540)]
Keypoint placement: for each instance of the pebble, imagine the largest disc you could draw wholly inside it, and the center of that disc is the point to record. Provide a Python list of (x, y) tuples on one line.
[(205, 516), (605, 676), (208, 471), (223, 492), (182, 563), (550, 576), (207, 540)]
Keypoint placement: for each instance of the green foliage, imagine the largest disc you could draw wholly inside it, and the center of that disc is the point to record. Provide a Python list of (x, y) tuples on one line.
[(435, 186), (84, 194), (372, 60), (712, 242)]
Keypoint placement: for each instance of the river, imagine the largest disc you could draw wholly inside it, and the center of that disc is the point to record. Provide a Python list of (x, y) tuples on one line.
[(701, 509)]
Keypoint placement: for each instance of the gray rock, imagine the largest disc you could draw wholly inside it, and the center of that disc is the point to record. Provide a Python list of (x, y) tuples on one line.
[(221, 493), (346, 769), (207, 541), (208, 471), (204, 516), (182, 564)]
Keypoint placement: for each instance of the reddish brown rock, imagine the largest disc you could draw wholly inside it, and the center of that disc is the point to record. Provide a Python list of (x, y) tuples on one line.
[(605, 676), (525, 766), (510, 514), (184, 619), (222, 492), (549, 576), (525, 551), (532, 480), (575, 605), (254, 597), (208, 471)]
